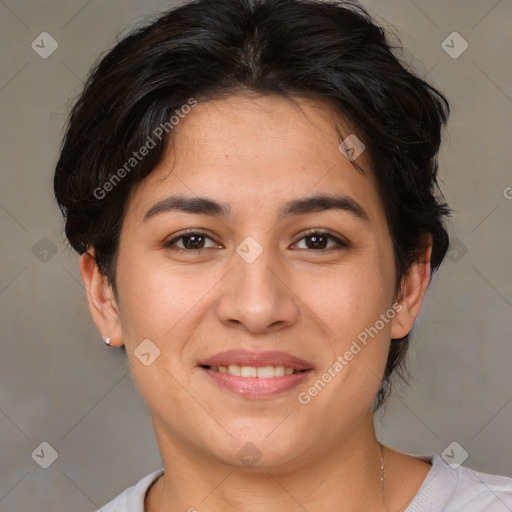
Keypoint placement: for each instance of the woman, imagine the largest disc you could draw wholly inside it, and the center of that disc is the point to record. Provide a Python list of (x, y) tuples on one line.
[(252, 188)]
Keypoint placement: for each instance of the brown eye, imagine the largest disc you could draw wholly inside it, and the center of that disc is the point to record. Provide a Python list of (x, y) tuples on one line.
[(318, 240), (191, 241)]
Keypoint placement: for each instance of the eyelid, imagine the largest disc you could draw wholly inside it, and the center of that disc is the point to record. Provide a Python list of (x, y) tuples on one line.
[(187, 232), (340, 240)]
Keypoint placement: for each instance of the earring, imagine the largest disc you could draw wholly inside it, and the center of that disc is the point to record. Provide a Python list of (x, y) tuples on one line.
[(107, 340)]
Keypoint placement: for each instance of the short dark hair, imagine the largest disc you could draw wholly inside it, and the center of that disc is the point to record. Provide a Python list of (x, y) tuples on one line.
[(213, 49)]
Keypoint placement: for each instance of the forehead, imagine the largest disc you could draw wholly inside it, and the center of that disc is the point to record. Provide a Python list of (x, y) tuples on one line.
[(258, 150), (268, 127)]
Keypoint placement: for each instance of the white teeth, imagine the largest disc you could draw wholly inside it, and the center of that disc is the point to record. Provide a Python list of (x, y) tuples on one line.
[(279, 370), (248, 371), (234, 369), (266, 372), (262, 372)]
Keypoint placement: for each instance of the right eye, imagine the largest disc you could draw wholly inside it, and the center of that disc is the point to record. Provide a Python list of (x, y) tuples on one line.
[(192, 241)]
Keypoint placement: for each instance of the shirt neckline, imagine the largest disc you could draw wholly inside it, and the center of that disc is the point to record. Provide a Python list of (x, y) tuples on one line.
[(433, 459)]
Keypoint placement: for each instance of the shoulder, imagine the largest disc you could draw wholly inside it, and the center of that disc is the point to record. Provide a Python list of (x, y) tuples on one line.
[(458, 489), (132, 498)]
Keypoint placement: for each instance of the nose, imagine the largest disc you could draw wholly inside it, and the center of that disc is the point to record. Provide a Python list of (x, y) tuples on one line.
[(257, 296)]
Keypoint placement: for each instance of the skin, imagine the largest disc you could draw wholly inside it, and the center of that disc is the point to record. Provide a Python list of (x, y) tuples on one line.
[(255, 153)]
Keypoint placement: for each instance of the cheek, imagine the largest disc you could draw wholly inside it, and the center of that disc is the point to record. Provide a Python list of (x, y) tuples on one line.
[(357, 311), (150, 298), (158, 305), (159, 300), (351, 299)]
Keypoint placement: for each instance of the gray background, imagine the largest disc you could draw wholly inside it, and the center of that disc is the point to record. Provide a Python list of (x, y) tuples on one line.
[(60, 384)]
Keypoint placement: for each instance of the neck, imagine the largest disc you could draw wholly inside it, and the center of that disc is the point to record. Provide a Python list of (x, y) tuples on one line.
[(350, 473)]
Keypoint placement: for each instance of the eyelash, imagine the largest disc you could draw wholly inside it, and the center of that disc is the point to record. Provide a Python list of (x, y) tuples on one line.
[(342, 244)]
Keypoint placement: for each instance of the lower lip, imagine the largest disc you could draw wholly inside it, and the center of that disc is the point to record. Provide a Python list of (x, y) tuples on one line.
[(254, 387)]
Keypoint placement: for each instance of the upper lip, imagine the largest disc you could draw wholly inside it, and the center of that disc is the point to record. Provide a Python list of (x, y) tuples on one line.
[(248, 358)]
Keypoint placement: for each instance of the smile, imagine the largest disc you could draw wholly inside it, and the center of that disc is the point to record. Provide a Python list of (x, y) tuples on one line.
[(252, 382), (260, 372)]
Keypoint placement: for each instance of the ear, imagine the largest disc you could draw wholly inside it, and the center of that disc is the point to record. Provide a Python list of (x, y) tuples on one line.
[(412, 291), (102, 303)]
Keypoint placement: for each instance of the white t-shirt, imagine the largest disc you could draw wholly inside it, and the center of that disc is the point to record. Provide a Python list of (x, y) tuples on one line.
[(445, 489)]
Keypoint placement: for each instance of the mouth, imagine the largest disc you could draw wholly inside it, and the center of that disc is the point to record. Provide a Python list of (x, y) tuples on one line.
[(244, 362), (259, 372), (256, 375)]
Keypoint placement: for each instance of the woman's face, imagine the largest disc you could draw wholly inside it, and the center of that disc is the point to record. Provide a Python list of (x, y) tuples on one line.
[(252, 279)]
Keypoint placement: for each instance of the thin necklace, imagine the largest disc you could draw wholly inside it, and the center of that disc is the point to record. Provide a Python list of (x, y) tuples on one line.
[(382, 473)]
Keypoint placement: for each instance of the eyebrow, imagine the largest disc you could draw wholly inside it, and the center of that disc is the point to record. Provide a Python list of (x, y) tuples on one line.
[(302, 206)]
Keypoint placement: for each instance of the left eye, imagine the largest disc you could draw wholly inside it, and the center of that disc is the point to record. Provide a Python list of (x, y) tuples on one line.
[(320, 238)]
